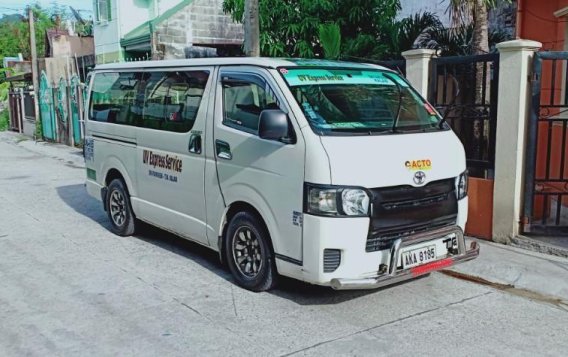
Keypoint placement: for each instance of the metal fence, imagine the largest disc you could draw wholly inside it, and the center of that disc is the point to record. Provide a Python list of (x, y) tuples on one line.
[(546, 167), (464, 90)]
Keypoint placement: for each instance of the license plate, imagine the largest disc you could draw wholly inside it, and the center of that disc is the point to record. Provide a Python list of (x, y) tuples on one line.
[(415, 257)]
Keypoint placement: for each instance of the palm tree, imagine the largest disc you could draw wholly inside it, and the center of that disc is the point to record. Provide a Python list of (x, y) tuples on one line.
[(463, 12), (330, 40)]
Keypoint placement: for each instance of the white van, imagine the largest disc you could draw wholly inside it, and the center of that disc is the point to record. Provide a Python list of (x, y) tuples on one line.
[(333, 173)]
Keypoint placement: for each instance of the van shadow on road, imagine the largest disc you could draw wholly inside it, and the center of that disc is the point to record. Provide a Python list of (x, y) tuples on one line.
[(76, 197)]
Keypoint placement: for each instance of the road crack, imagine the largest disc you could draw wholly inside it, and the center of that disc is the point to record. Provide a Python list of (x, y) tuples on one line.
[(510, 288), (233, 298)]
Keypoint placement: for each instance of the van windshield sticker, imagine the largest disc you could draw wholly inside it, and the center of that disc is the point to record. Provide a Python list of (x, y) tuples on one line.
[(302, 77)]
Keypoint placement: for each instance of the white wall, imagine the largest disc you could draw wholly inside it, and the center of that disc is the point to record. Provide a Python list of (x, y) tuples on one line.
[(164, 5), (133, 14), (107, 35)]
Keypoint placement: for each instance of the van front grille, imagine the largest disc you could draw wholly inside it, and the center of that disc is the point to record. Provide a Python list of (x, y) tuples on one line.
[(401, 211)]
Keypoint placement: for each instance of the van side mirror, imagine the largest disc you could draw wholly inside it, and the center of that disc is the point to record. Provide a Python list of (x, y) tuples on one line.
[(273, 124)]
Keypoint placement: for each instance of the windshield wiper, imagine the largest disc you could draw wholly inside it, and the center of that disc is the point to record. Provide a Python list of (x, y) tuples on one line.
[(400, 95), (451, 104)]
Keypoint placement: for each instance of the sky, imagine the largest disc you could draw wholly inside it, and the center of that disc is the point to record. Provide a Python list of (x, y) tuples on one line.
[(17, 6)]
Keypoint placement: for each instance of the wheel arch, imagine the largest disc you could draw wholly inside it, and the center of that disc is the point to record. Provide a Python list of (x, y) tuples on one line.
[(115, 169), (230, 211)]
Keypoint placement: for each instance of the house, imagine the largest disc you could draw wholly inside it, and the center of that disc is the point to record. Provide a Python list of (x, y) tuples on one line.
[(544, 21), (66, 55), (166, 29)]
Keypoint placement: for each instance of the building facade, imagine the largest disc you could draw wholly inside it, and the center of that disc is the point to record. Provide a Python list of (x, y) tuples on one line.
[(163, 29)]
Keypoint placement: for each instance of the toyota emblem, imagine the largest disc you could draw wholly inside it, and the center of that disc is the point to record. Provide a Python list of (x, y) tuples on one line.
[(419, 177)]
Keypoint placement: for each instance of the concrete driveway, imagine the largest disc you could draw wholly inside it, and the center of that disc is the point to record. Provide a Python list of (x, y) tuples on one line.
[(70, 287)]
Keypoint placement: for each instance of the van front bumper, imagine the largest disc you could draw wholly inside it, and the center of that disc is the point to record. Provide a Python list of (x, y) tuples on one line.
[(362, 269), (393, 275)]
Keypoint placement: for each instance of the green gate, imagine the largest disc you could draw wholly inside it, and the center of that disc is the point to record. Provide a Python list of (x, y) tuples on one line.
[(47, 109), (75, 108)]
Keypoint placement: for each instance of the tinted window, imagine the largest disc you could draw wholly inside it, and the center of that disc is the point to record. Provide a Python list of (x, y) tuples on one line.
[(173, 99), (157, 100), (114, 98), (244, 97)]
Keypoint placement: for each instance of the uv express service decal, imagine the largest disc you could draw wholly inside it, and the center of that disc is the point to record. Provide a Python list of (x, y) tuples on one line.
[(167, 162)]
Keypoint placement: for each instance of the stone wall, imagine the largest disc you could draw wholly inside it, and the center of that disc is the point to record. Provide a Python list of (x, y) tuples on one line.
[(200, 24)]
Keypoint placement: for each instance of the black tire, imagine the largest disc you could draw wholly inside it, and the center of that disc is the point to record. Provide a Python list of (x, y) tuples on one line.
[(119, 209), (256, 241)]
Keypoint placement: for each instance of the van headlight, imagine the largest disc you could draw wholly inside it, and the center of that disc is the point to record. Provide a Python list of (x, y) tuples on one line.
[(336, 201), (461, 185)]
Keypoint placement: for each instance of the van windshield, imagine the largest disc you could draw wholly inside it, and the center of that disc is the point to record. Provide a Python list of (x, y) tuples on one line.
[(359, 101)]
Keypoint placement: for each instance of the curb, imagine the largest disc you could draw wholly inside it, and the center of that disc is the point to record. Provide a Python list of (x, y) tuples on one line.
[(538, 246)]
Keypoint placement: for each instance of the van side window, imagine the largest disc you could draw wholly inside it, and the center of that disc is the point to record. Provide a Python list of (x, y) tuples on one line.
[(244, 97), (114, 98), (172, 100)]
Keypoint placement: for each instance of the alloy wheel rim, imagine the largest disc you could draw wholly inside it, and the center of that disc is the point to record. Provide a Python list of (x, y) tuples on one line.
[(117, 207), (247, 252)]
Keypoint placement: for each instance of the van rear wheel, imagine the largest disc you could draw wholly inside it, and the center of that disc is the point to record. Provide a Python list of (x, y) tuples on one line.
[(248, 253), (119, 210)]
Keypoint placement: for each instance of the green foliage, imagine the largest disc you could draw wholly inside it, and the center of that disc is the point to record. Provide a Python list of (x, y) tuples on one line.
[(84, 29), (402, 35), (291, 28), (462, 12), (4, 89), (330, 40), (4, 120), (15, 33), (458, 41), (367, 29)]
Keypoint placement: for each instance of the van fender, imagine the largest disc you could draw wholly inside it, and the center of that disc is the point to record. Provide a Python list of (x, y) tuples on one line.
[(249, 195), (113, 162)]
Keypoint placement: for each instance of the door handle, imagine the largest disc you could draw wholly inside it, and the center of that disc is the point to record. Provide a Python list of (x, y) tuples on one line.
[(223, 150), (195, 144)]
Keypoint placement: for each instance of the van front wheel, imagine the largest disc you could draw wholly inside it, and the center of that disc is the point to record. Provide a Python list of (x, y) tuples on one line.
[(248, 253), (119, 210)]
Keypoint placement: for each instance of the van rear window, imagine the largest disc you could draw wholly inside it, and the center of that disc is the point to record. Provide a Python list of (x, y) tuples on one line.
[(158, 100)]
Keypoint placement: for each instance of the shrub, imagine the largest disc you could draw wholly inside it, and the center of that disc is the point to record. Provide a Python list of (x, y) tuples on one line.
[(4, 120)]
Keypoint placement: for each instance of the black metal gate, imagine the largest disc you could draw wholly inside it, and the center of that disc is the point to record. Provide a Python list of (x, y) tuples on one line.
[(546, 166), (15, 103), (466, 88)]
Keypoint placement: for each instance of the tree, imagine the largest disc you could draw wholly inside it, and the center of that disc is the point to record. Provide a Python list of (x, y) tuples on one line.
[(464, 12), (330, 40), (251, 22), (411, 32), (15, 34), (292, 27)]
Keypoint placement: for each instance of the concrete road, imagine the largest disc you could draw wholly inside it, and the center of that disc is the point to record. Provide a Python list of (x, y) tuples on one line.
[(69, 287)]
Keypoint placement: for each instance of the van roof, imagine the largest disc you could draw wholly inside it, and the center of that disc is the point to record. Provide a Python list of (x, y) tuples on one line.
[(237, 61)]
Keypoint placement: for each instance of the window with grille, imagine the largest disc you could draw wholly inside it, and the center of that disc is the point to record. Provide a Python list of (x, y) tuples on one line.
[(103, 10)]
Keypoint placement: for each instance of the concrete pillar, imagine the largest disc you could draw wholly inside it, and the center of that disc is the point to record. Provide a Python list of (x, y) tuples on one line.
[(513, 110), (418, 68)]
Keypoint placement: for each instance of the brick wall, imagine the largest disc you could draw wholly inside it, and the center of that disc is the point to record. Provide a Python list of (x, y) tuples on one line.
[(200, 24)]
